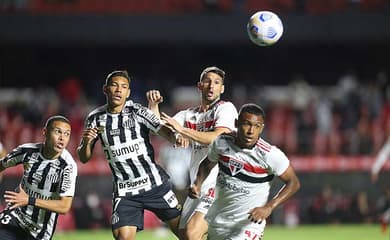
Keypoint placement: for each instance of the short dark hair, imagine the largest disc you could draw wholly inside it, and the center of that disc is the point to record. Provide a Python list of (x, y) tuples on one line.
[(116, 73), (54, 118), (253, 109), (212, 69)]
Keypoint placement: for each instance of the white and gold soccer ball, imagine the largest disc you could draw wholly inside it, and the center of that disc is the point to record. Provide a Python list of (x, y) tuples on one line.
[(264, 28)]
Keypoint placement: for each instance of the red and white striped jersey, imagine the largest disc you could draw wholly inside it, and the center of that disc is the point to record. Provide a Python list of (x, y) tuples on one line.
[(221, 114)]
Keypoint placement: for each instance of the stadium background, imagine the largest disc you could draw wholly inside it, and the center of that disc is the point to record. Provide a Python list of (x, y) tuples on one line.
[(325, 86)]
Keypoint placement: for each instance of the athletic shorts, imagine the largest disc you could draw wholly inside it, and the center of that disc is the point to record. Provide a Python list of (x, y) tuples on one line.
[(202, 204), (129, 210), (10, 230), (251, 231)]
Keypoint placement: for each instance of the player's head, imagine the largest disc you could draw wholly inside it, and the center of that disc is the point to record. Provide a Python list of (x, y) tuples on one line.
[(57, 135), (117, 89), (211, 83), (250, 125), (117, 73)]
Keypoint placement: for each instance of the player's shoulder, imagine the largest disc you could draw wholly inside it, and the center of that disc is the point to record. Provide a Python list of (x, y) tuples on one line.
[(30, 146), (264, 145), (98, 110), (268, 149), (225, 105), (68, 158), (226, 137)]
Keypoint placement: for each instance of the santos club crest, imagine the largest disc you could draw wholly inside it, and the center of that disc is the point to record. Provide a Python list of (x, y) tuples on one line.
[(235, 166)]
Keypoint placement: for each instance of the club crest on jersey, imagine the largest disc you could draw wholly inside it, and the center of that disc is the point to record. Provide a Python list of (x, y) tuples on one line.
[(235, 166)]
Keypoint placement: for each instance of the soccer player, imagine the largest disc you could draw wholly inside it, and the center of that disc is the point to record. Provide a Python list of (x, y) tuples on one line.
[(46, 188), (201, 124), (247, 164), (123, 127), (380, 160)]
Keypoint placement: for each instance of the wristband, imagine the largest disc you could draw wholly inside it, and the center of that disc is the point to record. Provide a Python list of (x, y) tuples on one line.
[(31, 201)]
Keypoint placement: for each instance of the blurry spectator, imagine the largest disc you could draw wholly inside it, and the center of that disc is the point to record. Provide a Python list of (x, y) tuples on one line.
[(323, 207), (360, 211), (383, 207), (90, 214)]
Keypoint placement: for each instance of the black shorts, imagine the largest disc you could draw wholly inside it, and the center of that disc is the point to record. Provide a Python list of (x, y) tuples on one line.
[(129, 211), (10, 230)]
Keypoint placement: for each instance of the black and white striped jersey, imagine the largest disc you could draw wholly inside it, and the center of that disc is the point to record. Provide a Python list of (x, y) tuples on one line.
[(47, 179), (126, 144)]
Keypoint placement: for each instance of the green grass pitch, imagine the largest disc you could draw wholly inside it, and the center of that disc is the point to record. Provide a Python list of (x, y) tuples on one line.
[(306, 232)]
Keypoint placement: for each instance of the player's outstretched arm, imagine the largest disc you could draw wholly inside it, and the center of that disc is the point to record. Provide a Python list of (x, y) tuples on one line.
[(291, 186), (85, 149), (203, 172), (176, 139), (21, 199), (205, 138)]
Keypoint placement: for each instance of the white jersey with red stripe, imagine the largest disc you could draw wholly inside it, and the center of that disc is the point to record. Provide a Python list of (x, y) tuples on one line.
[(221, 114), (242, 184)]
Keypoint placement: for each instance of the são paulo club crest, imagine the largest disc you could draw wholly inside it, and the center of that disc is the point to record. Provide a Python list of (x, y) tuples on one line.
[(235, 166)]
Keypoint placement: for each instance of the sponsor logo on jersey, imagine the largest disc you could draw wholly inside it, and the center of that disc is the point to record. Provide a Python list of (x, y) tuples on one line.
[(235, 166), (37, 195), (29, 225), (115, 132), (171, 199), (133, 184), (231, 186), (143, 112), (126, 150), (67, 179)]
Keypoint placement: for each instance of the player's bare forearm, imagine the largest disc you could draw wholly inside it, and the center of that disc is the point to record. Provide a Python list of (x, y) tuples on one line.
[(203, 172), (84, 151), (21, 199), (205, 138), (291, 186), (167, 133), (61, 206), (258, 214)]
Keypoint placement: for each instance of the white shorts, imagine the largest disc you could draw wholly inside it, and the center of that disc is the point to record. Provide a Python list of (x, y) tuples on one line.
[(203, 203), (252, 231)]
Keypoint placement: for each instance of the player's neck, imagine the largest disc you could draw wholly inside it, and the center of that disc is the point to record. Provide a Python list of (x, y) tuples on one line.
[(115, 109), (206, 105), (46, 153)]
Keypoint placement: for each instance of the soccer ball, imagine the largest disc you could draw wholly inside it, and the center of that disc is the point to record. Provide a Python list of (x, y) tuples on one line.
[(264, 28)]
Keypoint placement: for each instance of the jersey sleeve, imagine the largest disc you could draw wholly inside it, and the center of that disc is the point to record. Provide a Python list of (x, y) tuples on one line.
[(68, 183), (225, 116), (180, 117), (278, 161), (14, 158), (146, 117)]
